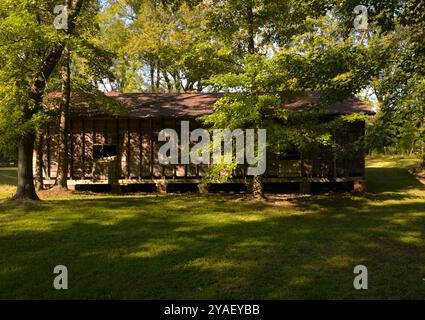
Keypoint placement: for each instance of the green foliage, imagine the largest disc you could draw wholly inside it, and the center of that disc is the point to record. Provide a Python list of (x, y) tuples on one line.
[(163, 48), (400, 87), (26, 31), (263, 24), (27, 38), (254, 98)]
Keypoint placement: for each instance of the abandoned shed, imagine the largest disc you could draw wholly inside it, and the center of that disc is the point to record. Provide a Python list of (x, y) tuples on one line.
[(120, 151)]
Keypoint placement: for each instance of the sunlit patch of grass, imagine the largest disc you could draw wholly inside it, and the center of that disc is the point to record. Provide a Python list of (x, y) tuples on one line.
[(7, 191), (153, 249), (393, 161), (8, 178), (412, 237), (220, 247)]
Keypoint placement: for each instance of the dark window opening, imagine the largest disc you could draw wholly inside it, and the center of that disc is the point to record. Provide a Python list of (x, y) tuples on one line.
[(104, 151), (289, 153)]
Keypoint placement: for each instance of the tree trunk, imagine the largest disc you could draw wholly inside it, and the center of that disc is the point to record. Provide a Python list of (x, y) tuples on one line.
[(199, 86), (258, 187), (62, 176), (26, 188), (257, 183), (251, 28), (168, 82), (39, 164), (423, 144), (177, 82), (158, 76), (152, 76)]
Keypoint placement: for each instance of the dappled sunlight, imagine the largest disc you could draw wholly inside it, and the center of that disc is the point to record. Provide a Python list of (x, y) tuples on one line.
[(252, 243), (7, 191), (419, 193), (394, 161), (8, 180), (407, 218), (338, 261), (151, 249), (412, 237), (216, 246), (301, 281), (220, 265)]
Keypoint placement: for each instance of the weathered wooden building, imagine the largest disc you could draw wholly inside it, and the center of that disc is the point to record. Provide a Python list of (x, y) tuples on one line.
[(121, 151)]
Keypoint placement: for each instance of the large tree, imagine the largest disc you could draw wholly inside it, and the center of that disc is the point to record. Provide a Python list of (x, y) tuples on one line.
[(31, 46), (84, 65)]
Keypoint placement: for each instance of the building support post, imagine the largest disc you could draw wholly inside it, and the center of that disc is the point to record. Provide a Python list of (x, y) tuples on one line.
[(203, 188), (161, 186), (359, 186), (305, 187)]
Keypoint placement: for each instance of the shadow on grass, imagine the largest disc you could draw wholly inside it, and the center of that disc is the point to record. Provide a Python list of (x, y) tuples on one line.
[(8, 176), (199, 248), (213, 247), (391, 180)]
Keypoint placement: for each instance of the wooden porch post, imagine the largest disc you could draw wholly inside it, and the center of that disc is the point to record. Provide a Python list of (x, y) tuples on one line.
[(140, 149), (49, 164), (151, 146), (71, 145), (128, 155), (83, 158)]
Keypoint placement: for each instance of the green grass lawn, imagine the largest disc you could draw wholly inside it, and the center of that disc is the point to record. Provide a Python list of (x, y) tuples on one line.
[(220, 247), (7, 182)]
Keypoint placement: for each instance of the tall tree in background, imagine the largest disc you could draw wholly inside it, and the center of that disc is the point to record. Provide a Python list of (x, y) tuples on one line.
[(399, 86), (162, 47), (84, 65), (414, 20)]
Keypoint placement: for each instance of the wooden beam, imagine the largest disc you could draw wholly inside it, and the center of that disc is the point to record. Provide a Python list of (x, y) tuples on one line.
[(174, 166), (93, 166), (302, 170), (162, 165), (94, 131), (151, 146), (190, 146), (128, 149), (140, 149), (305, 187), (106, 135), (334, 157), (71, 146), (245, 168), (39, 160), (186, 166), (49, 164), (83, 158), (118, 164)]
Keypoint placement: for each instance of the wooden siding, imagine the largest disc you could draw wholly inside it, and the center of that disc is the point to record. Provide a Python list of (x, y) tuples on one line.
[(138, 146)]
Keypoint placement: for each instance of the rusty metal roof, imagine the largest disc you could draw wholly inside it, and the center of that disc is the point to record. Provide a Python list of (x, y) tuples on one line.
[(347, 106), (145, 105)]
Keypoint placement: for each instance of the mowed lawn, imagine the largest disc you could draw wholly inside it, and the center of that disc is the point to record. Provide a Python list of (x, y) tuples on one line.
[(220, 247)]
